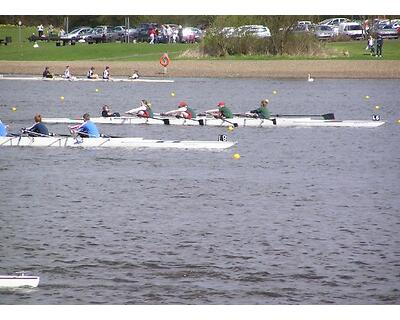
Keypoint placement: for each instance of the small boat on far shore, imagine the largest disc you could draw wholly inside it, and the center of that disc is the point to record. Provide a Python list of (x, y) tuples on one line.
[(19, 280)]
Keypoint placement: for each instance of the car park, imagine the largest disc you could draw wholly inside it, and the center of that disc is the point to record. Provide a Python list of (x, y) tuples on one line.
[(334, 23), (353, 30)]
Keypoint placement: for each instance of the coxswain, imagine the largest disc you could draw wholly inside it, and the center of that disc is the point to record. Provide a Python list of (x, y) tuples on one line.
[(222, 111), (46, 73), (3, 129), (184, 111), (91, 75), (87, 129), (106, 73), (107, 112), (143, 111), (37, 129), (67, 73), (261, 112), (135, 75)]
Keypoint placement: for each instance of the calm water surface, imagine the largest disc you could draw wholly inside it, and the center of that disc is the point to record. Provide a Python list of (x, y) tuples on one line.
[(306, 216)]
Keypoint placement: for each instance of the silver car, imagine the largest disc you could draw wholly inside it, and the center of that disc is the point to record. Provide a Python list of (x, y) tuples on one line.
[(76, 34), (387, 31), (324, 32)]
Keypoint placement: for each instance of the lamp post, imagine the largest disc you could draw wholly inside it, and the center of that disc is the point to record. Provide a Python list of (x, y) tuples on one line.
[(19, 30)]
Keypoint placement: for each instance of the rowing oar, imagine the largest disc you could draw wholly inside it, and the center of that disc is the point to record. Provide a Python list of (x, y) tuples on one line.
[(35, 134), (223, 119), (254, 117), (326, 116)]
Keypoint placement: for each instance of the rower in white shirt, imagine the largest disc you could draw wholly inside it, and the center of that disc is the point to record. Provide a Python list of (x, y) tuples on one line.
[(106, 73)]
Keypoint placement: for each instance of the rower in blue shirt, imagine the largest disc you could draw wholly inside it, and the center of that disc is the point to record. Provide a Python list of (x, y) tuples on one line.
[(38, 129), (88, 128), (3, 129)]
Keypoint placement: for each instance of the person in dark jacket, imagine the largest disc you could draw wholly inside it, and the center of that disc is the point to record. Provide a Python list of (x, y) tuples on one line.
[(38, 129)]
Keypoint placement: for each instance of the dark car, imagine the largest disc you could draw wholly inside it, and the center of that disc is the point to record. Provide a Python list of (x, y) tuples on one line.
[(101, 34)]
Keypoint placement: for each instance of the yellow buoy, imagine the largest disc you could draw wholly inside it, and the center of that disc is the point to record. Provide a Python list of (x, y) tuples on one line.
[(13, 109), (236, 156), (274, 92), (377, 107), (367, 97), (230, 128), (173, 94), (97, 90), (398, 121), (62, 98)]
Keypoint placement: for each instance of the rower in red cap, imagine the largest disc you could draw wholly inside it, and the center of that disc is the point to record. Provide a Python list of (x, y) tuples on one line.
[(222, 111), (184, 111)]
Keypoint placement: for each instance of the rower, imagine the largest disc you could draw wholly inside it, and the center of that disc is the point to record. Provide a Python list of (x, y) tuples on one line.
[(184, 111), (107, 112), (87, 129), (135, 75), (143, 111), (67, 73), (46, 73), (261, 112), (91, 75), (37, 129), (3, 129), (222, 111), (106, 73)]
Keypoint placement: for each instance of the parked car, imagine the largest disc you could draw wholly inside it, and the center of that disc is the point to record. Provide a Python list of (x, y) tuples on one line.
[(191, 34), (302, 28), (352, 29), (324, 32), (76, 34), (122, 33), (257, 31), (334, 23), (387, 31)]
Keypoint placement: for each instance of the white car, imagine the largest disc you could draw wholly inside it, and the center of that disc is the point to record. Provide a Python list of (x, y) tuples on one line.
[(352, 29), (76, 34), (258, 31), (334, 23)]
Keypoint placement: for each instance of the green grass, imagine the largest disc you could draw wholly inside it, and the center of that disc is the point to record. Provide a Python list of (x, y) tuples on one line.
[(47, 51)]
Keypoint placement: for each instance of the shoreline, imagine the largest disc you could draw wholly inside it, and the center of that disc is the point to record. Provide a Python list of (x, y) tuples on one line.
[(282, 69)]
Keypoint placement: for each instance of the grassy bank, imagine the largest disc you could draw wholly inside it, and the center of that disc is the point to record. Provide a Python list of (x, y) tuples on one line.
[(48, 51)]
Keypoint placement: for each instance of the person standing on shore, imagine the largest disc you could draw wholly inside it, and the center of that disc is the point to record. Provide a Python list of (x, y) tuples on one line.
[(40, 30), (379, 46)]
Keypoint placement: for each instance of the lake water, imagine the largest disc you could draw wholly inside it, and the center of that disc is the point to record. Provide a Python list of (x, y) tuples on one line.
[(306, 216)]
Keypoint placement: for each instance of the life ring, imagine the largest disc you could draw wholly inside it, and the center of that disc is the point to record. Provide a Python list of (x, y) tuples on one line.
[(164, 60)]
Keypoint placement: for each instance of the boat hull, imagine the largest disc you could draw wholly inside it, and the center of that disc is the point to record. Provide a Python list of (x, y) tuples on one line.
[(74, 79), (237, 122), (135, 143), (18, 281)]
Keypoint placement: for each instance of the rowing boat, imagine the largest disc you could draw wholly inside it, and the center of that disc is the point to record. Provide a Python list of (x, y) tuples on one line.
[(236, 122), (19, 280), (73, 79), (108, 142)]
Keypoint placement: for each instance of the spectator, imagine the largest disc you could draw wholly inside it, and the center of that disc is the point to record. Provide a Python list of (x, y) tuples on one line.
[(379, 45), (169, 33), (62, 32), (51, 30), (180, 33), (152, 35), (40, 30)]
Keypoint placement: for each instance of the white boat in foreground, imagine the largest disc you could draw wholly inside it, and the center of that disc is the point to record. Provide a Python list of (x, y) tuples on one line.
[(19, 280), (235, 122), (74, 79), (137, 143)]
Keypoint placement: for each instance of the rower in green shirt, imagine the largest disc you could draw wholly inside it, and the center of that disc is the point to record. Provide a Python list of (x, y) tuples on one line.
[(262, 112), (222, 111)]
